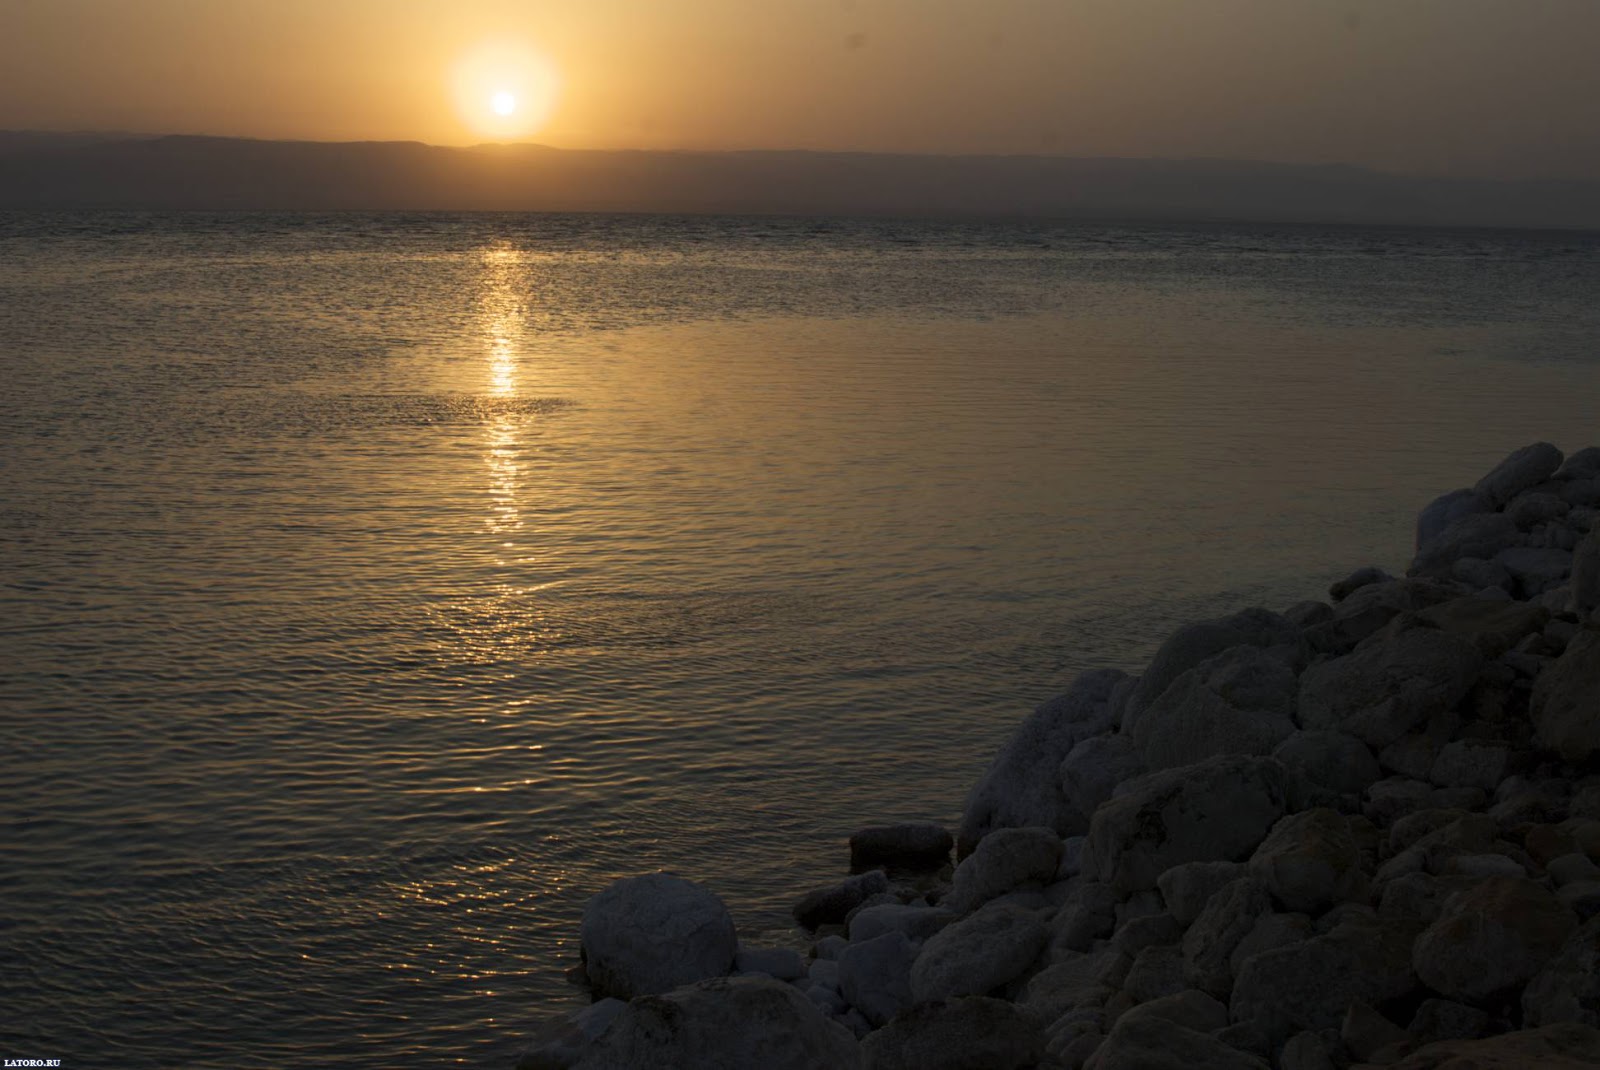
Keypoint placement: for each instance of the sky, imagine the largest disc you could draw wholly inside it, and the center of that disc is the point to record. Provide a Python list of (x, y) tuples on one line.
[(1461, 88)]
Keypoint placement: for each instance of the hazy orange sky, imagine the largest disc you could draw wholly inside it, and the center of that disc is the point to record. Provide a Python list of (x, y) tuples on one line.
[(1458, 87)]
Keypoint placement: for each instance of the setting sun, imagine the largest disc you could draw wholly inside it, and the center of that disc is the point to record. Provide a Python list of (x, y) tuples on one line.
[(505, 91)]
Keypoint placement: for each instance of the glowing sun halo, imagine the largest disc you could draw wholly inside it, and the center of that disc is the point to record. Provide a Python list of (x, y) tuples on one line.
[(504, 90)]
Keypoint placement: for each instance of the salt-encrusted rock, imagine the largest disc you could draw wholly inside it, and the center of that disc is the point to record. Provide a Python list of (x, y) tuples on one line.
[(1567, 989), (1239, 702), (957, 1034), (1492, 939), (833, 904), (1209, 944), (1187, 888), (1157, 971), (1271, 931), (1311, 985), (1370, 608), (1193, 643), (1480, 575), (1152, 929), (1088, 914), (1096, 766), (875, 976), (1566, 700), (1310, 861), (1471, 763), (1493, 627), (1535, 569), (1520, 471), (1156, 1042), (1581, 464), (919, 846), (562, 1043), (1217, 810), (1305, 1051), (1306, 614), (978, 954), (1336, 762), (1411, 756), (1445, 510), (1445, 1019), (1395, 797), (649, 934), (917, 923), (1004, 859), (1536, 507), (781, 962), (1021, 787), (1555, 1047), (1480, 535), (1358, 579), (1074, 981), (726, 1022), (1365, 1032), (1586, 573), (1572, 867), (1390, 686)]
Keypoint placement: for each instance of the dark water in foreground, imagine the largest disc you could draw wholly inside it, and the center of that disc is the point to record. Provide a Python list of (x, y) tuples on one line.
[(376, 588)]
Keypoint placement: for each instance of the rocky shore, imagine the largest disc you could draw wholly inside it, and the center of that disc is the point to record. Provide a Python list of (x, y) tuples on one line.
[(1360, 832)]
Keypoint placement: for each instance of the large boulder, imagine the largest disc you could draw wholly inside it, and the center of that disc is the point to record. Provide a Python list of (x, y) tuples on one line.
[(1445, 510), (1494, 627), (1193, 643), (1492, 939), (1568, 988), (917, 923), (1020, 787), (1310, 861), (1326, 763), (1228, 918), (1476, 535), (1555, 1047), (918, 846), (1096, 766), (1586, 573), (978, 954), (971, 1033), (1217, 810), (875, 976), (1158, 1042), (561, 1043), (832, 904), (1005, 859), (1536, 569), (1522, 470), (649, 934), (1188, 888), (1566, 699), (724, 1024), (1369, 609), (1581, 464), (1240, 701), (1312, 984), (1390, 685)]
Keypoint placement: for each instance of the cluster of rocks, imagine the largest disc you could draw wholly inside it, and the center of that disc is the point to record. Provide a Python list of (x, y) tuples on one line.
[(1361, 832)]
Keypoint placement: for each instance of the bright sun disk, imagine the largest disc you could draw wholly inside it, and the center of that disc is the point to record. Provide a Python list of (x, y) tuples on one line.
[(503, 103)]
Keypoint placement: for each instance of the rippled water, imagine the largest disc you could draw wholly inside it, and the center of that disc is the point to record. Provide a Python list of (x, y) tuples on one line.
[(378, 587)]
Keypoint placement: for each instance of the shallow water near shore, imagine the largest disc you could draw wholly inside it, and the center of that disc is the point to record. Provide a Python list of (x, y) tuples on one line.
[(379, 587)]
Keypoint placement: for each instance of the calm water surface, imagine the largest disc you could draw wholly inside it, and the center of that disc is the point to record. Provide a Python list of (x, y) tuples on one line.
[(375, 588)]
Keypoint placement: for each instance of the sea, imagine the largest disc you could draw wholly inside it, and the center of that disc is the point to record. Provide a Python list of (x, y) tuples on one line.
[(374, 589)]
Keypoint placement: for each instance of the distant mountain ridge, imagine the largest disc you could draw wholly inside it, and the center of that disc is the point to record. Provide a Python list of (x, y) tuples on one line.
[(79, 171)]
